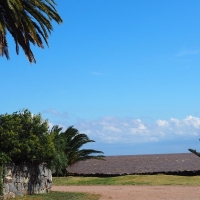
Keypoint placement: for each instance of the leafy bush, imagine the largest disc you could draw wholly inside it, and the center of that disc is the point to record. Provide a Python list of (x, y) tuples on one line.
[(24, 137)]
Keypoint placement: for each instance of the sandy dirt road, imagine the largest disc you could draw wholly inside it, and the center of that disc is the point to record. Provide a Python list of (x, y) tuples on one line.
[(137, 192)]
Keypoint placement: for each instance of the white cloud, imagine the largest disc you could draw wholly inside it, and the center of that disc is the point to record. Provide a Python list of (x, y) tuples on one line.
[(163, 123), (192, 121), (129, 130), (175, 121), (112, 128), (138, 127)]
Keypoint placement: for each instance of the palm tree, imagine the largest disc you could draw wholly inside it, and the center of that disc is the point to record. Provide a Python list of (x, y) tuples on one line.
[(74, 142), (29, 22), (68, 148), (59, 162)]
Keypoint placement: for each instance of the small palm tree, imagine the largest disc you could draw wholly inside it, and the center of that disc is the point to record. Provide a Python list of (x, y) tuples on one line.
[(28, 21), (74, 142), (68, 148), (59, 162)]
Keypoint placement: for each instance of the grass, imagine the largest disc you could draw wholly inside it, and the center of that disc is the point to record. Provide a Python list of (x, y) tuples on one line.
[(61, 195), (130, 180)]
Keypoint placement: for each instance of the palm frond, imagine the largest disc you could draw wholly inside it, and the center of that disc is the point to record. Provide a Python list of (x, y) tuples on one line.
[(28, 22), (194, 152), (73, 143)]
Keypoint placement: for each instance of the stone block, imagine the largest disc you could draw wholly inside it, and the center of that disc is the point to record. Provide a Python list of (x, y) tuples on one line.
[(46, 172), (44, 179), (41, 170), (25, 168), (36, 188), (26, 186), (19, 179), (12, 187), (49, 185), (49, 177), (19, 193), (14, 179), (9, 172), (26, 180), (9, 195), (19, 186), (5, 196), (8, 179), (42, 185), (5, 188), (39, 178)]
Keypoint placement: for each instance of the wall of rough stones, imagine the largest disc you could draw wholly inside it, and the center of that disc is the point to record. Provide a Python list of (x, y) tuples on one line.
[(23, 179)]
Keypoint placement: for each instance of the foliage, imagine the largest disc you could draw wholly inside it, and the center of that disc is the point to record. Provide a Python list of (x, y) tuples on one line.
[(69, 144), (25, 138), (4, 158), (59, 162), (150, 180), (29, 22), (194, 152), (74, 141)]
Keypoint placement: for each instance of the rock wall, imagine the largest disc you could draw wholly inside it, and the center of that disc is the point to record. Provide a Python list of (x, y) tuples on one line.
[(26, 179)]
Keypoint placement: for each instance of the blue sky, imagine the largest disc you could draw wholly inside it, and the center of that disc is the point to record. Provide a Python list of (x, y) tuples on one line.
[(124, 72)]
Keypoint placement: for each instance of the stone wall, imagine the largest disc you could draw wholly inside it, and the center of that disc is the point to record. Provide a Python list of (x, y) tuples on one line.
[(26, 179)]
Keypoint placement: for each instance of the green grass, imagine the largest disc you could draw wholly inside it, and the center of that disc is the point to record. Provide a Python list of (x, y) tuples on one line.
[(61, 196), (129, 180)]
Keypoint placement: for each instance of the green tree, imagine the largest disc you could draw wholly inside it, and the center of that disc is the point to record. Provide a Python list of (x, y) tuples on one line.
[(69, 143), (59, 162), (73, 149), (29, 22), (25, 137)]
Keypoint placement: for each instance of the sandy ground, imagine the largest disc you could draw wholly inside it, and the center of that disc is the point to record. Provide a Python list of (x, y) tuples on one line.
[(137, 192)]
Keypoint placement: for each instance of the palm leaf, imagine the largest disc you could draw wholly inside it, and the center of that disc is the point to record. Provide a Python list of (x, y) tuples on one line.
[(73, 143), (28, 21), (194, 152)]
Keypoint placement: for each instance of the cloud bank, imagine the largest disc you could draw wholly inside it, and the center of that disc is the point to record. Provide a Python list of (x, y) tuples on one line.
[(129, 130)]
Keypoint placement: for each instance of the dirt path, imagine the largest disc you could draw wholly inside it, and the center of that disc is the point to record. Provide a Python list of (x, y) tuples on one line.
[(137, 192)]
